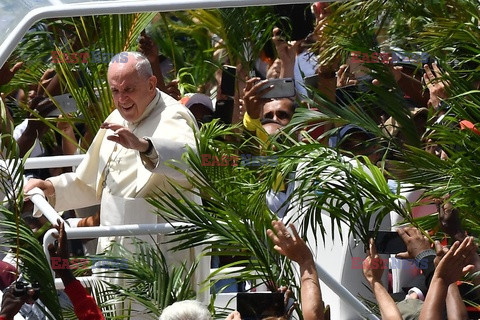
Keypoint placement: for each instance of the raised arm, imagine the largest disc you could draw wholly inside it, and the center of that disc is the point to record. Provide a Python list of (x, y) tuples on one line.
[(150, 50), (373, 273), (84, 305), (293, 247), (456, 309), (450, 269)]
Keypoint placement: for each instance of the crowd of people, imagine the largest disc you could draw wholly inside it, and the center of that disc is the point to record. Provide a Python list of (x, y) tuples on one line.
[(131, 156)]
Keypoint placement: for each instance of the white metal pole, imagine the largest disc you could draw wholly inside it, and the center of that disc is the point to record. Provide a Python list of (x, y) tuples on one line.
[(54, 161), (85, 281), (344, 294), (122, 230), (46, 209)]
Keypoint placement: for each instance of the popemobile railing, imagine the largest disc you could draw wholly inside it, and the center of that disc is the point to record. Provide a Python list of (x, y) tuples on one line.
[(145, 229)]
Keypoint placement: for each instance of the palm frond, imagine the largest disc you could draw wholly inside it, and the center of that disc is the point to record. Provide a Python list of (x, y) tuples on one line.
[(143, 276), (30, 257)]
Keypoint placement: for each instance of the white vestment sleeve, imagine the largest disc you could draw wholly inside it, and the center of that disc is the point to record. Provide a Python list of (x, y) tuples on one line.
[(72, 193), (174, 133), (79, 189)]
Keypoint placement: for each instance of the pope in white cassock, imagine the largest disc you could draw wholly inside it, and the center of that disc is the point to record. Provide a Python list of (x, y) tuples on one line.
[(127, 159)]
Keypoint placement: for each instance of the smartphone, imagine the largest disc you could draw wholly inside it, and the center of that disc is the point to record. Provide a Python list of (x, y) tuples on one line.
[(300, 19), (224, 110), (389, 242), (348, 94), (269, 49), (311, 83), (282, 88), (228, 80), (66, 102), (259, 305)]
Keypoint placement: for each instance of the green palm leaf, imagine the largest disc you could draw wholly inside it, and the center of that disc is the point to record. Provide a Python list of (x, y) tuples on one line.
[(142, 276), (18, 236)]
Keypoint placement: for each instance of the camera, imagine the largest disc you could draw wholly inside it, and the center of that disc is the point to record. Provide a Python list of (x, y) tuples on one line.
[(258, 305), (21, 288)]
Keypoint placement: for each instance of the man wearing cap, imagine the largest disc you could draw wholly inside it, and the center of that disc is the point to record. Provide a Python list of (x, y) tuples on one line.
[(356, 140), (200, 105)]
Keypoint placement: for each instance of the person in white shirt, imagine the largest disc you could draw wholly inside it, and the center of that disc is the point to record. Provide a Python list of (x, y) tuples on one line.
[(128, 158)]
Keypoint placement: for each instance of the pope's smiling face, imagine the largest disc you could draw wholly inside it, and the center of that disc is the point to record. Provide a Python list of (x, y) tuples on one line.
[(131, 91)]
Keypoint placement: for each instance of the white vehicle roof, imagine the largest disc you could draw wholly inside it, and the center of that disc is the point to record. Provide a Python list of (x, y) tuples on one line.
[(17, 16)]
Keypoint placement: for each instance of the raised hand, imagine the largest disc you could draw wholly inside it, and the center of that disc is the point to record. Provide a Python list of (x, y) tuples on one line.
[(435, 85), (235, 315), (344, 77), (172, 89), (452, 265), (252, 100), (147, 47), (125, 137), (397, 72), (293, 247), (286, 52), (449, 219), (372, 268), (45, 80), (7, 73), (415, 241), (321, 10), (290, 246), (456, 262), (275, 69), (60, 249), (12, 304)]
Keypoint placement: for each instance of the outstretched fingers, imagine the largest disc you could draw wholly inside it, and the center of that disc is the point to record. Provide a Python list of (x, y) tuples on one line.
[(428, 76), (111, 126), (294, 231), (281, 231)]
